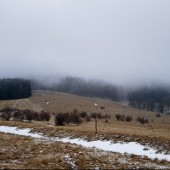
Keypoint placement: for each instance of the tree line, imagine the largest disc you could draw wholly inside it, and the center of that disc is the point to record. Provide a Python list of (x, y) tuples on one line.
[(81, 87), (152, 99), (14, 88), (156, 98)]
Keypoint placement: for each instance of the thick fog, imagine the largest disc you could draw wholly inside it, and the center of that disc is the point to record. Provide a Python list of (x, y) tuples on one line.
[(118, 41)]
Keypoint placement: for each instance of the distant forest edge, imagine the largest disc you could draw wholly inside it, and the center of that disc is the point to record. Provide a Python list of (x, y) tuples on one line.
[(14, 88), (147, 98), (81, 87), (152, 99)]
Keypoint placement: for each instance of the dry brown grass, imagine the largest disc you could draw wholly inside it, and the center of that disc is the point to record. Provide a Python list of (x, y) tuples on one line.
[(17, 152), (22, 104), (62, 102)]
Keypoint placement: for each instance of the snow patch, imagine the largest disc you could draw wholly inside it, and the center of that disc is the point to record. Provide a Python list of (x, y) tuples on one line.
[(70, 161), (130, 148), (23, 132)]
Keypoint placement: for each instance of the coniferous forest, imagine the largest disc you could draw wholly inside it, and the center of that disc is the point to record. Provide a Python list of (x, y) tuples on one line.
[(153, 99), (14, 88)]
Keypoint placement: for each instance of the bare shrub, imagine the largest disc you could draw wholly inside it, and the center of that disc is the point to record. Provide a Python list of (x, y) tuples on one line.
[(36, 116), (66, 118), (7, 109), (6, 116), (29, 117), (60, 119), (44, 116), (75, 111), (96, 115), (142, 120), (122, 118), (18, 115), (6, 113), (118, 116), (102, 107), (99, 116), (83, 114), (158, 115), (93, 115), (74, 118), (146, 121), (128, 118), (88, 118), (107, 116)]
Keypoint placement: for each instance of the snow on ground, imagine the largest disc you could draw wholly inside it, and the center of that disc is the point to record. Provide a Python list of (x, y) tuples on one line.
[(130, 148), (70, 161), (23, 132)]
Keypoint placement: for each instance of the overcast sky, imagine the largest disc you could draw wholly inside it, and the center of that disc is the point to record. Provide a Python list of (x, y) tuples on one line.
[(119, 41)]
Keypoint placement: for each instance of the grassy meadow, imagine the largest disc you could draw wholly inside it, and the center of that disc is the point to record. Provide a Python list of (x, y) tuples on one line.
[(34, 153)]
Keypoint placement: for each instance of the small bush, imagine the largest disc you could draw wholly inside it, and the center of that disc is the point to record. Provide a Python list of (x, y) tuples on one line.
[(146, 121), (74, 118), (29, 117), (88, 118), (96, 115), (158, 115), (18, 115), (44, 116), (142, 120), (7, 109), (107, 116), (83, 114), (93, 115), (66, 118), (60, 119), (118, 116), (6, 116), (128, 118), (75, 111), (102, 107), (36, 116), (6, 113), (122, 118), (99, 116)]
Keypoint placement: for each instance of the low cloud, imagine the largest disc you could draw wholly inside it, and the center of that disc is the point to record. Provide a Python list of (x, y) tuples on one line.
[(122, 42)]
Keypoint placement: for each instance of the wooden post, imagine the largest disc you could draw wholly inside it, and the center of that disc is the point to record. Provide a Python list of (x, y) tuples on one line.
[(95, 119), (96, 125)]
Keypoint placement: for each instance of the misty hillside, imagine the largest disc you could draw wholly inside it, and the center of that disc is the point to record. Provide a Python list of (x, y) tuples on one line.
[(153, 98), (96, 71), (21, 104), (81, 87), (57, 102)]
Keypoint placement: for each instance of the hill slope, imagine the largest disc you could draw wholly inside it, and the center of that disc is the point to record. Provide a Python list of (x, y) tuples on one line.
[(55, 102), (22, 104)]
